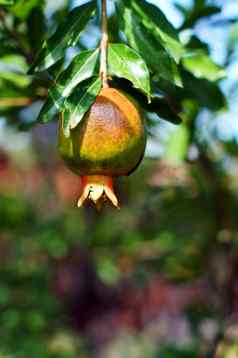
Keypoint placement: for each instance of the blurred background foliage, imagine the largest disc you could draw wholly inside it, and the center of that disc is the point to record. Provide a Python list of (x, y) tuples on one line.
[(159, 277)]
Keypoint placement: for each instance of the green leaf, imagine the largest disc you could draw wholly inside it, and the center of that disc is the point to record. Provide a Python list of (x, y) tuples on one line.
[(36, 27), (12, 69), (12, 95), (108, 270), (202, 66), (17, 79), (126, 63), (13, 62), (158, 105), (181, 8), (165, 111), (80, 103), (66, 35), (177, 146), (156, 22), (207, 94), (198, 13), (83, 66), (149, 48), (22, 8), (48, 111), (7, 2)]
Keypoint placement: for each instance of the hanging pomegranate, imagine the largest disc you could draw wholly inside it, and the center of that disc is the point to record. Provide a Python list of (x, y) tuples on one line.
[(108, 142)]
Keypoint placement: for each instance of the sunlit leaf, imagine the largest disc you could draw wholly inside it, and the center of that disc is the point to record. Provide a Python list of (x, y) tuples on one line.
[(48, 111), (126, 63), (149, 48), (66, 35), (83, 66), (12, 69), (7, 2), (202, 66), (16, 78), (12, 62), (158, 25), (177, 145), (80, 102), (23, 8)]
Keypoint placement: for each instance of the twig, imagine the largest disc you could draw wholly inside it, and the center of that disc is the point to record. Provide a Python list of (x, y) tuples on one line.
[(104, 46), (15, 102)]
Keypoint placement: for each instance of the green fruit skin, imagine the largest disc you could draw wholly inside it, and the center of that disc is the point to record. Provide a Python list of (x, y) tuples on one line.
[(111, 144)]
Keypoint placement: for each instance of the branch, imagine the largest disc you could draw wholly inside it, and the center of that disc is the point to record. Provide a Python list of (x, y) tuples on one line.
[(15, 102), (104, 46)]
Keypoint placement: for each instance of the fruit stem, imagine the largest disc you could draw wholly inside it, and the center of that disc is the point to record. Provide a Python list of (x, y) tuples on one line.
[(104, 45)]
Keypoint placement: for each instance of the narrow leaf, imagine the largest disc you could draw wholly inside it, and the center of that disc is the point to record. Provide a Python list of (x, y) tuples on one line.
[(202, 66), (79, 105), (22, 8), (126, 63), (192, 16), (177, 145), (156, 22), (48, 111), (158, 105), (150, 49), (83, 66), (7, 2), (207, 93), (65, 36)]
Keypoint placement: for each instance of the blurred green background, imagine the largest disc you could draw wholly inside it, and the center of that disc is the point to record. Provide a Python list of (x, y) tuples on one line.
[(157, 278)]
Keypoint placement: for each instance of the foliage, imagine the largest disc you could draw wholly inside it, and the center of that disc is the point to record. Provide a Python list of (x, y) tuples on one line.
[(156, 52), (169, 257)]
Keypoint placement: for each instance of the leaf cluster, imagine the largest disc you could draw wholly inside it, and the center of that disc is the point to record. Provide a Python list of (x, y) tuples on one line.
[(146, 58)]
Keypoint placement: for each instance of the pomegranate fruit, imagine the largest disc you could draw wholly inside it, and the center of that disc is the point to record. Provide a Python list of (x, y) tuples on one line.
[(108, 142)]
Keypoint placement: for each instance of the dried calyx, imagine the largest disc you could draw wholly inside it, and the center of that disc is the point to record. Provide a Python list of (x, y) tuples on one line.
[(98, 189)]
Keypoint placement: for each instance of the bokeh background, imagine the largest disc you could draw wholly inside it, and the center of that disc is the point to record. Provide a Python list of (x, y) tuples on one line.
[(159, 278)]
